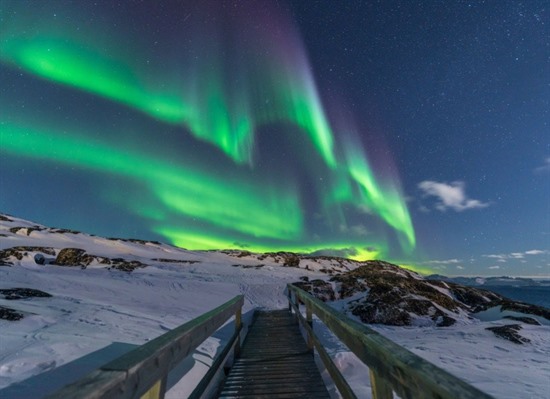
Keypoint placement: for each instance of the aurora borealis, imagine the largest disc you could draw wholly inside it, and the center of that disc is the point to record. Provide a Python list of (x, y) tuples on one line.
[(409, 131), (262, 85)]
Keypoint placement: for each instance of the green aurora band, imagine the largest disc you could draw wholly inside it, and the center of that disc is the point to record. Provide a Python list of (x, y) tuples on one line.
[(219, 104)]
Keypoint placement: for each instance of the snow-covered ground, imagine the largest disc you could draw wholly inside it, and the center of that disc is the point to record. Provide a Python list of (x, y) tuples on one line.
[(102, 313)]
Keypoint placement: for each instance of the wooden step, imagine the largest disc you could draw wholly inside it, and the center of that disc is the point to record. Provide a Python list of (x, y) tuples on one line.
[(275, 362)]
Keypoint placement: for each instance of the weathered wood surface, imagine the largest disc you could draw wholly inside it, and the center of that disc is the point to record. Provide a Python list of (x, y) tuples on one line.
[(407, 374), (275, 362), (134, 373)]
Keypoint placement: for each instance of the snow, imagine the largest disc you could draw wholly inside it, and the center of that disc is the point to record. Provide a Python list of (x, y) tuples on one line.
[(96, 314)]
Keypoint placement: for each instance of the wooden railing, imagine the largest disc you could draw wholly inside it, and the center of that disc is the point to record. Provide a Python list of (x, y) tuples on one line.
[(392, 368), (142, 372)]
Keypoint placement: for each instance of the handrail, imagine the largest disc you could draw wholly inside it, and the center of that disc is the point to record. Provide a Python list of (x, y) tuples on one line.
[(392, 367), (142, 372)]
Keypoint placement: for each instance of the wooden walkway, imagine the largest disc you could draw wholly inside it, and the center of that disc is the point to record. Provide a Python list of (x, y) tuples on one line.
[(275, 362)]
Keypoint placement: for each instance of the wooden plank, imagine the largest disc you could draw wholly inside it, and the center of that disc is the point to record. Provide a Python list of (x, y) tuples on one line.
[(276, 396), (275, 362), (276, 389), (407, 373)]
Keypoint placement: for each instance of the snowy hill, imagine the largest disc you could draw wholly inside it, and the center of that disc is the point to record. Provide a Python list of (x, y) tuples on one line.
[(115, 293)]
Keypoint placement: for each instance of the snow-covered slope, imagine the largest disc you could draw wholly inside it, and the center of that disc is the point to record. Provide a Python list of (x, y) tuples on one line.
[(97, 311)]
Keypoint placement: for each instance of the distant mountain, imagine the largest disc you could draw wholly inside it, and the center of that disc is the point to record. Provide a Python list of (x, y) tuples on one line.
[(488, 281)]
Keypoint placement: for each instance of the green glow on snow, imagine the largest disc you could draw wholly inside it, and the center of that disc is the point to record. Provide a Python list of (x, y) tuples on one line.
[(195, 240)]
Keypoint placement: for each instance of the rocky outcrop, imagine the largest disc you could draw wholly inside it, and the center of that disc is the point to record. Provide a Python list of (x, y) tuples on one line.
[(16, 294), (73, 257), (321, 289), (509, 332), (26, 230), (394, 296), (124, 265), (330, 265), (22, 293), (526, 320), (5, 218), (10, 314), (10, 255), (382, 293)]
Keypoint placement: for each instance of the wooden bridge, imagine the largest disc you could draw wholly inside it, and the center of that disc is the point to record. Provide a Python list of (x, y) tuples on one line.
[(273, 362)]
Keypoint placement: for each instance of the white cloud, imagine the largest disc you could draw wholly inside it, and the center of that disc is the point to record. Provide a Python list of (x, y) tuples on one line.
[(494, 267), (535, 252), (545, 167), (501, 258), (443, 262), (451, 196), (515, 255), (460, 267)]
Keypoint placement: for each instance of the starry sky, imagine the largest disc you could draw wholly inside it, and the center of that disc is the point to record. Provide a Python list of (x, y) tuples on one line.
[(411, 131)]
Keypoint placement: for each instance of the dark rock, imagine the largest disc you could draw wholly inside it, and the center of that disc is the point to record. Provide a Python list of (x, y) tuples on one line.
[(165, 260), (65, 231), (125, 265), (144, 242), (391, 295), (444, 321), (22, 293), (381, 313), (249, 266), (508, 304), (474, 298), (509, 332), (10, 314), (14, 230), (39, 259), (4, 218), (73, 257), (320, 289), (526, 320), (19, 252)]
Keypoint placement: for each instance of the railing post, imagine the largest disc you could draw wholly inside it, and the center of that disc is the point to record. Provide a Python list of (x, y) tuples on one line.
[(380, 387), (309, 320), (238, 323), (156, 391), (297, 310), (290, 300)]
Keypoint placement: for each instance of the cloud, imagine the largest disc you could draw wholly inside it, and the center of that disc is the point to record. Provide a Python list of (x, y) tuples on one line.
[(515, 255), (544, 168), (535, 252), (494, 267), (444, 262), (451, 196), (460, 267)]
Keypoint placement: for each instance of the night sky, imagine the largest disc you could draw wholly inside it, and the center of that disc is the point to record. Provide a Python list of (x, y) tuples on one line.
[(412, 131)]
